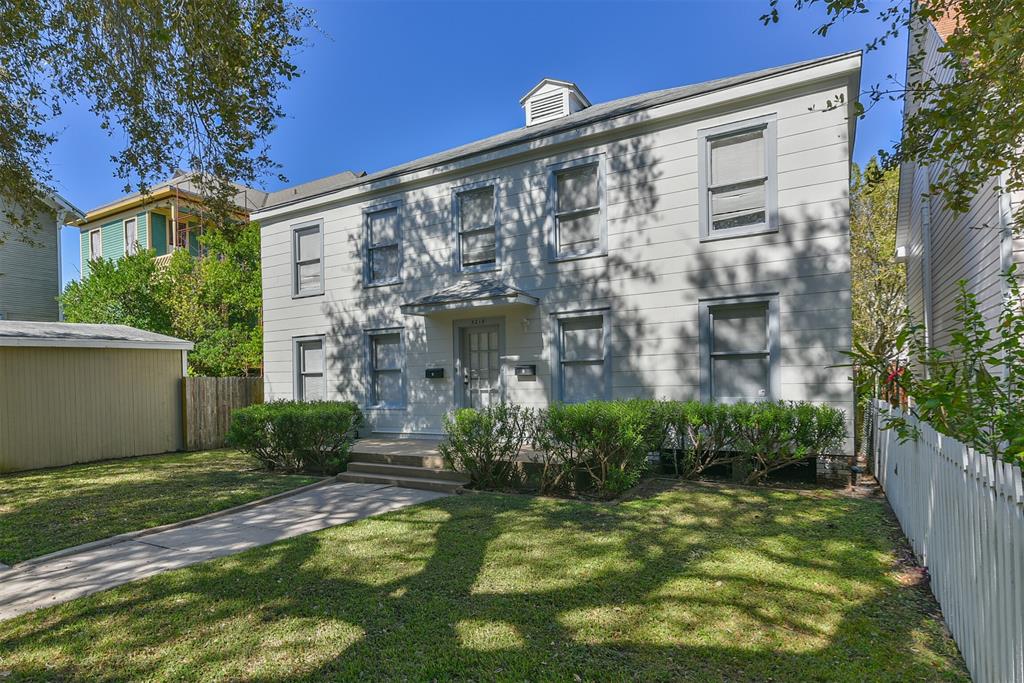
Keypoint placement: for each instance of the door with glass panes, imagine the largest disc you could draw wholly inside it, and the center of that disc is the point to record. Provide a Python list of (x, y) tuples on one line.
[(481, 366)]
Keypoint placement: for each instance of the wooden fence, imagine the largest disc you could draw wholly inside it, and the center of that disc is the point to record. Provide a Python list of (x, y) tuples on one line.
[(964, 515), (207, 403)]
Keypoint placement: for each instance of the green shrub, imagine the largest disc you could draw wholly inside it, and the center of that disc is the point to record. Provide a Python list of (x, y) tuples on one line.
[(484, 444), (774, 435), (297, 436), (697, 435), (608, 441)]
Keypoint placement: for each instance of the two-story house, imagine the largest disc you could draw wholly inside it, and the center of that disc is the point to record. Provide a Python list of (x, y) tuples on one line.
[(687, 243), (30, 277), (939, 246), (170, 216)]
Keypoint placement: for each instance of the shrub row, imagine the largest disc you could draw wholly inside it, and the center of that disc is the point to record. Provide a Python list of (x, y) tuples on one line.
[(297, 436), (603, 447)]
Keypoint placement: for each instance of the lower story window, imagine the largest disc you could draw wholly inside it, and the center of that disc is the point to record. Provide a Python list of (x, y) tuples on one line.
[(740, 349), (387, 369), (309, 369), (583, 358)]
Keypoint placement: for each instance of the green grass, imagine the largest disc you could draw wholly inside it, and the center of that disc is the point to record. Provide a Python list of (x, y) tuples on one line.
[(47, 510), (701, 583)]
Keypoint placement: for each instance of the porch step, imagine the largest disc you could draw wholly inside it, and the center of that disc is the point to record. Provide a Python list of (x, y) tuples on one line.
[(430, 461), (406, 471), (441, 485)]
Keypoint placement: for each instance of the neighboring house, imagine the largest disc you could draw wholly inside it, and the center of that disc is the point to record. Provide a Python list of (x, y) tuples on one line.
[(30, 268), (170, 216), (941, 247), (687, 243)]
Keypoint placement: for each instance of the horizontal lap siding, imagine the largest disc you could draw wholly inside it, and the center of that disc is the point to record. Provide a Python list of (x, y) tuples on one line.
[(50, 416), (29, 280), (656, 271)]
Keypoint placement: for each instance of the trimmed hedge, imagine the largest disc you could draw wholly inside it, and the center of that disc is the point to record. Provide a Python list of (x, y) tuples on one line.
[(602, 447), (297, 436)]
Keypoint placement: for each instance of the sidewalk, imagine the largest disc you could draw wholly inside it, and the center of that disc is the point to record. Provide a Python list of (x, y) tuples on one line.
[(95, 567)]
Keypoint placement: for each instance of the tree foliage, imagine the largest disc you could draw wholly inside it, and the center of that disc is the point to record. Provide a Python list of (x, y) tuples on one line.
[(963, 115), (214, 301), (190, 84)]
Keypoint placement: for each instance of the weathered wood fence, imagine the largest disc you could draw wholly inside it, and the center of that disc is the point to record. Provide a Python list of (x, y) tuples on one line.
[(964, 515), (207, 403)]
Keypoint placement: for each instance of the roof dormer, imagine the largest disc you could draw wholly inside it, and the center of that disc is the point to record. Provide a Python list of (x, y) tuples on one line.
[(552, 99)]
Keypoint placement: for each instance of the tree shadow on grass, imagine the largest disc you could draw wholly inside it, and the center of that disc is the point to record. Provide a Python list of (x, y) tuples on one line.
[(702, 584)]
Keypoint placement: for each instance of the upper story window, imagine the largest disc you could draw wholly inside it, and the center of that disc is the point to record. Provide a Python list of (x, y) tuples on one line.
[(309, 369), (578, 209), (737, 178), (95, 245), (131, 236), (383, 244), (387, 368), (476, 226), (307, 259), (584, 370), (739, 340)]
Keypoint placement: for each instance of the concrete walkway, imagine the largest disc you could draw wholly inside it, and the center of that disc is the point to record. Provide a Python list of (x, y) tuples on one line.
[(95, 567)]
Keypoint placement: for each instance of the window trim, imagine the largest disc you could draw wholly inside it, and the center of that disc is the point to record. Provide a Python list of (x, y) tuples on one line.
[(295, 229), (367, 247), (552, 208), (124, 229), (95, 256), (705, 307), (771, 189), (370, 402), (557, 390), (297, 374), (457, 226)]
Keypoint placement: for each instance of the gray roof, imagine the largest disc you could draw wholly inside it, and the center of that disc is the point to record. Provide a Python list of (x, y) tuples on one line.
[(593, 114), (312, 188), (468, 293), (23, 333)]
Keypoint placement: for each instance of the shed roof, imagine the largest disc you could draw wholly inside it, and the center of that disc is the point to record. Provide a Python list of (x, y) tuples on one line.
[(83, 335)]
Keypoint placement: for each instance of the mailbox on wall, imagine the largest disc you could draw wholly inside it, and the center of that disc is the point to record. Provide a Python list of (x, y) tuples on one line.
[(435, 373), (526, 371)]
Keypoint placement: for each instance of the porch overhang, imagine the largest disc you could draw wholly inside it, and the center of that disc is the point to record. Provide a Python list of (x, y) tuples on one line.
[(469, 294)]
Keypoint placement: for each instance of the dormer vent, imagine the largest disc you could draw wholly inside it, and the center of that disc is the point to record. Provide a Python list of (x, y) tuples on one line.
[(552, 99)]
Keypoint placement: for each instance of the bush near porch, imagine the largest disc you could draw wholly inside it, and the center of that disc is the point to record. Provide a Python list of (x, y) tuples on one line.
[(603, 447), (296, 436)]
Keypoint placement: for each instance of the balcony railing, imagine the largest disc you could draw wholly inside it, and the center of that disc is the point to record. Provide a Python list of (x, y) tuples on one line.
[(163, 261)]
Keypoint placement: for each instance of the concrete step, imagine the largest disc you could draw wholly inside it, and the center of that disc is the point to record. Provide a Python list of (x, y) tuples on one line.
[(441, 485), (406, 471), (429, 461)]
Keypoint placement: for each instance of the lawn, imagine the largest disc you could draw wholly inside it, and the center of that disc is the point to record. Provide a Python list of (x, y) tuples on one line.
[(47, 510), (701, 583)]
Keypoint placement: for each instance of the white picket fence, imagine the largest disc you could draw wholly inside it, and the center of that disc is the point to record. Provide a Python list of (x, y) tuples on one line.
[(964, 515)]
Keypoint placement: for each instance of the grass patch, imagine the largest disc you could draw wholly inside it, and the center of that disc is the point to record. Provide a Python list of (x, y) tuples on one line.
[(703, 583), (46, 510)]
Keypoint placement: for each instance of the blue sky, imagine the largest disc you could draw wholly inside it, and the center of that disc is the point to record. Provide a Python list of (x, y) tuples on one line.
[(387, 82)]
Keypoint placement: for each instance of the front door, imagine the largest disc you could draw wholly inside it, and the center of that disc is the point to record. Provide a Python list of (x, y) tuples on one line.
[(481, 366)]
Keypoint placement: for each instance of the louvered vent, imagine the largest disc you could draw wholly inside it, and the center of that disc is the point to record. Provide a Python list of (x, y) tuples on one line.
[(552, 99), (547, 107)]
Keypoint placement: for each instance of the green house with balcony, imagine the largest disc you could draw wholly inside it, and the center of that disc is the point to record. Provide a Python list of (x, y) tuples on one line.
[(169, 217)]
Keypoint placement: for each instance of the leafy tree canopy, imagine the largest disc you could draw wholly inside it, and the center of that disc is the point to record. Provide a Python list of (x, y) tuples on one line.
[(214, 301), (968, 124), (189, 84)]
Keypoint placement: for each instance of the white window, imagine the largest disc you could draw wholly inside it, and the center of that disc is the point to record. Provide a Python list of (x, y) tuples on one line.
[(95, 245), (383, 245), (476, 228), (387, 369), (584, 371), (307, 259), (131, 236), (309, 369), (737, 179), (740, 340), (578, 209)]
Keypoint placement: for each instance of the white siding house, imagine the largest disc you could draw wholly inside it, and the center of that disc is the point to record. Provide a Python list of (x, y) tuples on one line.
[(687, 243), (941, 247)]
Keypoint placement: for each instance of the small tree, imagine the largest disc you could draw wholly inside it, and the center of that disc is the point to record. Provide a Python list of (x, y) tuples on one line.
[(126, 292)]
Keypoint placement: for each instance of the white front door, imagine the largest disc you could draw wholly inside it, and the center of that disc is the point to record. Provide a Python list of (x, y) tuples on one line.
[(481, 366)]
